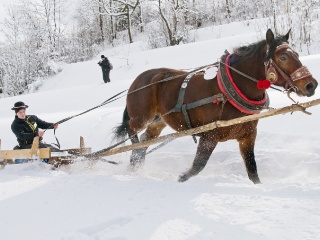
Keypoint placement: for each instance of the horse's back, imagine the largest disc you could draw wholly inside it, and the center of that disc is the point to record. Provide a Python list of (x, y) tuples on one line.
[(146, 91), (152, 76)]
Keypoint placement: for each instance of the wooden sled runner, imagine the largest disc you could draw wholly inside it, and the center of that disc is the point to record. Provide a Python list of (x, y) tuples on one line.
[(63, 157)]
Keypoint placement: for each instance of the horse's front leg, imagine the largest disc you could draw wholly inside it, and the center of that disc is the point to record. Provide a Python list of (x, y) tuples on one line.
[(246, 146), (204, 151)]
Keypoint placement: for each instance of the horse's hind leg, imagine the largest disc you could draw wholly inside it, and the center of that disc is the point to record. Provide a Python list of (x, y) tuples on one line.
[(204, 151), (137, 155), (153, 130)]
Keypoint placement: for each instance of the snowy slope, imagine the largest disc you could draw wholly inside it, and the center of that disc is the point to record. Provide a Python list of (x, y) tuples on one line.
[(97, 200)]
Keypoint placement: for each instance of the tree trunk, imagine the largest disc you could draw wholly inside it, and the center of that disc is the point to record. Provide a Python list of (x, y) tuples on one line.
[(129, 24), (228, 9), (141, 20), (101, 20), (113, 30), (274, 17), (172, 43), (55, 24)]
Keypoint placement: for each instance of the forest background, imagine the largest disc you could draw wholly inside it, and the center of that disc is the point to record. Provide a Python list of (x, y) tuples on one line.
[(39, 36)]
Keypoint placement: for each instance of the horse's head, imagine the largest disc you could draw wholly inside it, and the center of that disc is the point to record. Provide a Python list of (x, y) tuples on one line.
[(283, 67)]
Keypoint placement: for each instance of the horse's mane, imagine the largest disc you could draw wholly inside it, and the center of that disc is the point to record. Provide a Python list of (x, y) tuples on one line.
[(256, 48)]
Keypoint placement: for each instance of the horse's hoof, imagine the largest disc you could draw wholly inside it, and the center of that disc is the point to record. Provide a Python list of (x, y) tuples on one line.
[(134, 168), (137, 160), (183, 178), (136, 165), (254, 177), (256, 180)]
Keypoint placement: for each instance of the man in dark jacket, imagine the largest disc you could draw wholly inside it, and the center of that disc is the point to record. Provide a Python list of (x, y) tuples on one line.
[(26, 127), (105, 66)]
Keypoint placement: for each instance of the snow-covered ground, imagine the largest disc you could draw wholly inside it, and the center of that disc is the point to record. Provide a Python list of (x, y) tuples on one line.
[(99, 201)]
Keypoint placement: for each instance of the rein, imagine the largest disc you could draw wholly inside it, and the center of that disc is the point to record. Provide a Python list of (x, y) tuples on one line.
[(113, 98), (68, 118), (269, 66)]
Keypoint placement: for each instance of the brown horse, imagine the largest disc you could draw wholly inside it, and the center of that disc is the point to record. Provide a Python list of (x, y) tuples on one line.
[(161, 97)]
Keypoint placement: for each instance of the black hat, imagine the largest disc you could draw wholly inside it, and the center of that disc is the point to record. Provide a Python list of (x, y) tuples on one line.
[(102, 56), (18, 106)]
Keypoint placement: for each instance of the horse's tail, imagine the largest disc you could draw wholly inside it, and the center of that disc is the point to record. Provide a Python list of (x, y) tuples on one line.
[(121, 131)]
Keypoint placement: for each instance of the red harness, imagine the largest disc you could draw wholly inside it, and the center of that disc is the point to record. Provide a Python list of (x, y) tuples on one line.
[(256, 105)]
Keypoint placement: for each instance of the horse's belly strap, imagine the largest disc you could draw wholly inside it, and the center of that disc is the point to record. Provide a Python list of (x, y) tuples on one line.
[(181, 107)]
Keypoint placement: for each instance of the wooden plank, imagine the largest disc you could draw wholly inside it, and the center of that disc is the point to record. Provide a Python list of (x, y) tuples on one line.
[(45, 153), (35, 147), (218, 124), (78, 150), (81, 150), (82, 143), (35, 152), (24, 153)]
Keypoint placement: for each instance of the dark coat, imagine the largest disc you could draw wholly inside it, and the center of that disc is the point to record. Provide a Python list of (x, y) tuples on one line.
[(105, 64), (26, 129)]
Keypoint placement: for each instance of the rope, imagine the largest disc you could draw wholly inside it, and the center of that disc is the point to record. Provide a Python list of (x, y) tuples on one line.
[(100, 105), (165, 80), (111, 99), (68, 118), (90, 155), (148, 85), (115, 97)]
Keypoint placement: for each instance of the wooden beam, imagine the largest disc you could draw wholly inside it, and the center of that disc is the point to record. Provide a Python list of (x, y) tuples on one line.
[(34, 152), (207, 127), (82, 142), (78, 150), (81, 150), (24, 153), (35, 146)]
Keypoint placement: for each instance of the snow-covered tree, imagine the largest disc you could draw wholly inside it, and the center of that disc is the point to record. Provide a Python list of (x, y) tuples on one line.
[(39, 31)]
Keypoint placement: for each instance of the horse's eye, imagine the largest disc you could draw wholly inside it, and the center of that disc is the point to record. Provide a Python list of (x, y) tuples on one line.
[(283, 58)]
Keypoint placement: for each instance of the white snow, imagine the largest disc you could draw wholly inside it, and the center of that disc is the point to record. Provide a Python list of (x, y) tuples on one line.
[(99, 201)]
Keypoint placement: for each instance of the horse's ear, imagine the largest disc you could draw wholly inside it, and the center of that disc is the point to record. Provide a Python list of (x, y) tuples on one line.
[(288, 34), (269, 36)]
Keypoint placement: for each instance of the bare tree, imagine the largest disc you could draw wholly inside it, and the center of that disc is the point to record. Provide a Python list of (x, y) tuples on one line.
[(32, 32), (35, 29), (228, 9), (101, 19), (126, 9), (171, 14)]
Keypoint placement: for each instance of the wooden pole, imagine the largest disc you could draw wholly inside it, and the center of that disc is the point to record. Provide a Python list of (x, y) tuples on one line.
[(82, 146), (210, 126), (35, 147)]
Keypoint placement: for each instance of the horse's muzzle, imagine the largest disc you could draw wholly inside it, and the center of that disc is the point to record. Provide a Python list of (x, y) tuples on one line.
[(310, 88), (307, 89)]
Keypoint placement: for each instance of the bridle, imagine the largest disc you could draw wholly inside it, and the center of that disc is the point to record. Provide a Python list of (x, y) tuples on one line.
[(272, 70)]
